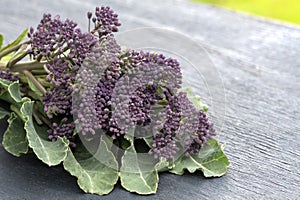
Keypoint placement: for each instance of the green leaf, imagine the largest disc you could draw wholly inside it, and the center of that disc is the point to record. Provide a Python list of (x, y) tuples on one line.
[(211, 160), (3, 113), (97, 174), (14, 91), (14, 139), (163, 165), (4, 83), (1, 40), (16, 42), (195, 99), (134, 174), (11, 94), (51, 153)]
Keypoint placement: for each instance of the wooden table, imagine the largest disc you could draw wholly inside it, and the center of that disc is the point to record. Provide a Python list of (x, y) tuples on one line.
[(259, 62)]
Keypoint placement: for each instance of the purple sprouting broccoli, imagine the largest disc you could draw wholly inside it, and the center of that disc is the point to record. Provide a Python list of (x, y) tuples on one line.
[(99, 88)]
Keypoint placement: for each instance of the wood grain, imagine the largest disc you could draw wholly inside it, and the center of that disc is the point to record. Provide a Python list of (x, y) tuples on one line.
[(259, 62)]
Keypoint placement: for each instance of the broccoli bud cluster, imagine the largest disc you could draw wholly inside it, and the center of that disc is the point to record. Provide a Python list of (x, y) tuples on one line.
[(100, 88)]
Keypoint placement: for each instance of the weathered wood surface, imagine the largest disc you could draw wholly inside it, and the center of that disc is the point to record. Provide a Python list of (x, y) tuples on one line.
[(259, 62)]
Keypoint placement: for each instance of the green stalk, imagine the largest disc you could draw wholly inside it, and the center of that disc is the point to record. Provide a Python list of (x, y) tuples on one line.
[(39, 72), (29, 75), (12, 49), (14, 61), (31, 65), (41, 80), (39, 57), (37, 119), (95, 29), (44, 83), (23, 79), (41, 117), (57, 52), (2, 65)]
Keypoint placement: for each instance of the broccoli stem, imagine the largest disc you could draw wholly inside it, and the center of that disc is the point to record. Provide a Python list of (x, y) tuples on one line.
[(14, 61), (29, 75), (12, 49), (31, 65)]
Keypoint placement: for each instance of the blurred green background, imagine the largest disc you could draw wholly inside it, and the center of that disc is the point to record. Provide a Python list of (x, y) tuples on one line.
[(284, 10)]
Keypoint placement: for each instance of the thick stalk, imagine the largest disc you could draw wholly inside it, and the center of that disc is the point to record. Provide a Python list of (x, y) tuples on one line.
[(12, 49), (23, 79), (58, 52), (31, 65), (39, 72), (95, 29), (42, 81), (14, 61), (41, 117), (29, 75), (2, 66), (39, 57)]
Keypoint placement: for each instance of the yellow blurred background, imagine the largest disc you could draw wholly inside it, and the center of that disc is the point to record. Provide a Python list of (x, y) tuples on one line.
[(284, 10)]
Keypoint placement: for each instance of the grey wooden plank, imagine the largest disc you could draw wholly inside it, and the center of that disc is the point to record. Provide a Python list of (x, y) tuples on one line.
[(254, 40), (259, 63)]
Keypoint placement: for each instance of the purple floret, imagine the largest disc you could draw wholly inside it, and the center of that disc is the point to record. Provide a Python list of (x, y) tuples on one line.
[(7, 75), (54, 37), (185, 131), (65, 129), (106, 21)]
